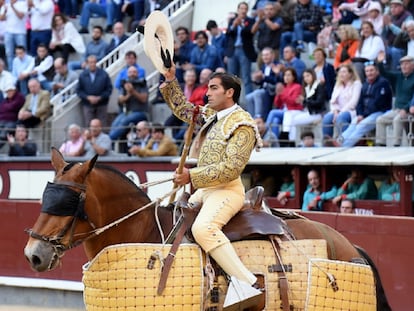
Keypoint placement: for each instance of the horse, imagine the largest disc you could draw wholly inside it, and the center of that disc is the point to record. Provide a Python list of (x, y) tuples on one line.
[(85, 197)]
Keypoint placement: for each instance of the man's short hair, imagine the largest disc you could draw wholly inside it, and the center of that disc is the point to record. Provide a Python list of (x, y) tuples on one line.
[(211, 24), (131, 53), (307, 134)]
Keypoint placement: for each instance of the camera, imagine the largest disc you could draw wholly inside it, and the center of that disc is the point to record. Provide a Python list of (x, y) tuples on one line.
[(135, 82)]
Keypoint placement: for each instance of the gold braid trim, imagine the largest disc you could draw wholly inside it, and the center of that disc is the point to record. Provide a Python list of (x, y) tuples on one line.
[(222, 161)]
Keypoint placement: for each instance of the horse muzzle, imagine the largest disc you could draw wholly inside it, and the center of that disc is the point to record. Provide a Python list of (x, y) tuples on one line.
[(42, 256)]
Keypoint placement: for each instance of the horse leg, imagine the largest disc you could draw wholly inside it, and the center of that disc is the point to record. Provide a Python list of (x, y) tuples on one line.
[(382, 302)]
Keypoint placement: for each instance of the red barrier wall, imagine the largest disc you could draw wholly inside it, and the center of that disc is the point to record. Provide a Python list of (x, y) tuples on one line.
[(388, 240)]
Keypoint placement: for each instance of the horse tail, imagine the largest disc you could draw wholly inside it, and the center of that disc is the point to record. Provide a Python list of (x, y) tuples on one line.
[(382, 302)]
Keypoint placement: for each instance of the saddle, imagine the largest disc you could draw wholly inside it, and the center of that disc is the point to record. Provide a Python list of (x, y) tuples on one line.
[(252, 222)]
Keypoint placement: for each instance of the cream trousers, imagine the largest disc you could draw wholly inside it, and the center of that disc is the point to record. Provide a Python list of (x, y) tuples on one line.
[(219, 205)]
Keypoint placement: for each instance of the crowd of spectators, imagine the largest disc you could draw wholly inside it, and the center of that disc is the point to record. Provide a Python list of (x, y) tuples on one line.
[(365, 84)]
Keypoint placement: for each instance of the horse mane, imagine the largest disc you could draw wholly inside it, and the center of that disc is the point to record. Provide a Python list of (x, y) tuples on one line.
[(122, 176)]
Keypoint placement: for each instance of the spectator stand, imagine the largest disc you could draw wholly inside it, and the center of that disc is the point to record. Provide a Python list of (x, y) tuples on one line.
[(66, 107)]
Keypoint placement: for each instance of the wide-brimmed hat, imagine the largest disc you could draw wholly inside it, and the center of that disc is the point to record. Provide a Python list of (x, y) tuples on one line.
[(158, 40)]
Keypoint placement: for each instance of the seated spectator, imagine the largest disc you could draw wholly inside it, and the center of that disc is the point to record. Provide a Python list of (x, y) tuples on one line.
[(262, 177), (9, 110), (101, 8), (393, 22), (19, 144), (36, 108), (94, 90), (286, 99), (325, 72), (308, 21), (218, 39), (65, 38), (389, 189), (159, 145), (133, 104), (130, 60), (6, 79), (402, 83), (97, 46), (291, 61), (269, 138), (203, 55), (348, 45), (375, 16), (313, 104), (118, 37), (345, 96), (354, 12), (287, 189), (313, 197), (141, 139), (374, 101), (96, 141), (370, 46), (40, 19), (307, 139), (63, 76), (260, 100), (405, 39), (72, 147), (357, 187), (22, 66), (347, 206), (43, 69)]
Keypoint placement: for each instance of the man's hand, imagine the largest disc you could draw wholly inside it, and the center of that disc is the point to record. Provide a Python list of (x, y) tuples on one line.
[(183, 178), (170, 73), (336, 199)]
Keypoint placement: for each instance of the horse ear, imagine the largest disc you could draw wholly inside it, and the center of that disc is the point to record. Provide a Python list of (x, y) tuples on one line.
[(57, 159), (91, 163)]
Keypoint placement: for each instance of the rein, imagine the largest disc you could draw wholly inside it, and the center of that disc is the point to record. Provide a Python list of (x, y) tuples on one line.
[(56, 241)]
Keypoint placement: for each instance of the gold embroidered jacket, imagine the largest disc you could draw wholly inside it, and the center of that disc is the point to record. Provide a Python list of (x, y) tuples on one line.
[(227, 146)]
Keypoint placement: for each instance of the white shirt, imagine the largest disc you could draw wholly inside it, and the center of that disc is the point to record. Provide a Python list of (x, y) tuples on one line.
[(44, 65), (41, 15), (6, 79), (371, 48), (410, 48), (15, 24)]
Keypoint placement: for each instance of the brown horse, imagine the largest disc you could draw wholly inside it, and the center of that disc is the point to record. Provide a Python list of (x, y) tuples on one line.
[(87, 196)]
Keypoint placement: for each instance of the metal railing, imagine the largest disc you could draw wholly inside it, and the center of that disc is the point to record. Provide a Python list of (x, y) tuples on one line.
[(66, 102)]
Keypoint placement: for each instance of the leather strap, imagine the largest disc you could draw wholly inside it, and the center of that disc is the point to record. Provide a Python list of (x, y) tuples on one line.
[(170, 258), (283, 281)]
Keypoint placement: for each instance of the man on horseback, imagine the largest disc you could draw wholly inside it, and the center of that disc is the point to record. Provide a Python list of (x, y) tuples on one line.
[(224, 143)]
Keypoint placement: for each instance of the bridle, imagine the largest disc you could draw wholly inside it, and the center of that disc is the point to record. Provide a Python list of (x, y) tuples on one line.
[(76, 211)]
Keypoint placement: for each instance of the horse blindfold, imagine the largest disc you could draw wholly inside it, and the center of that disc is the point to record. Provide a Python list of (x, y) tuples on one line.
[(59, 200)]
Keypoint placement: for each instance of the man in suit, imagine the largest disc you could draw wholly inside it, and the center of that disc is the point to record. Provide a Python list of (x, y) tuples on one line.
[(118, 37), (36, 108), (94, 89), (159, 145), (240, 51)]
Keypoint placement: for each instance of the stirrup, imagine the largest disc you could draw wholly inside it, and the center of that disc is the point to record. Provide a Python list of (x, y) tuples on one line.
[(240, 296)]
